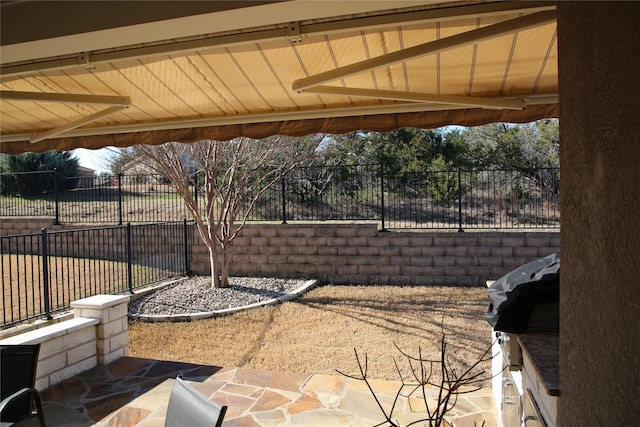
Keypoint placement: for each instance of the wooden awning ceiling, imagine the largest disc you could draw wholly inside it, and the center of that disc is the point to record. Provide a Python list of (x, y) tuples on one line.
[(423, 66)]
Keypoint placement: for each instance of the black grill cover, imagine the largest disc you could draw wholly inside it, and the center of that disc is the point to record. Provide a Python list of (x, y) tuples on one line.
[(527, 298)]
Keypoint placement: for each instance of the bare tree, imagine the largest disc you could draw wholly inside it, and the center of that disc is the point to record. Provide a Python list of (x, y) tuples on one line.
[(231, 175)]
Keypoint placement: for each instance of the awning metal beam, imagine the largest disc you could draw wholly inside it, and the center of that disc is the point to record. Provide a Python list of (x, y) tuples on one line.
[(66, 98), (443, 14), (176, 47), (466, 101), (399, 107), (116, 103)]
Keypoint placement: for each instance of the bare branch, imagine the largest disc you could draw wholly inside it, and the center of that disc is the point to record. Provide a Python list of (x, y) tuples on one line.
[(363, 377), (449, 385)]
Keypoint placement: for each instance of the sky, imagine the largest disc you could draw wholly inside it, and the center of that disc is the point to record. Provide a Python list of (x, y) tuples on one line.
[(94, 159)]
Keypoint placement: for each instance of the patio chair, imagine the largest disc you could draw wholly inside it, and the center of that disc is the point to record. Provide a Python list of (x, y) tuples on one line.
[(18, 365), (189, 407)]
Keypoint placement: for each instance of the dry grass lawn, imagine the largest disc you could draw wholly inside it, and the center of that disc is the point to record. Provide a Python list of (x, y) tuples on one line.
[(70, 279), (317, 333)]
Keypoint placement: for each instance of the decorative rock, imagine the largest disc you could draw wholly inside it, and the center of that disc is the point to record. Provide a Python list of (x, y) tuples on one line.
[(193, 298)]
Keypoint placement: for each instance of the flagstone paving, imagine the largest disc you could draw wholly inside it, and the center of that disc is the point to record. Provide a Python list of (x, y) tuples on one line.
[(135, 392)]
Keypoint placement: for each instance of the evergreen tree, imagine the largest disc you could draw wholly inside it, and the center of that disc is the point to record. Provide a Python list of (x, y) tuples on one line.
[(62, 162)]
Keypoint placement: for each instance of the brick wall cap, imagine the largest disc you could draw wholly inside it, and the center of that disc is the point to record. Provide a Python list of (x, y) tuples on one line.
[(49, 332), (100, 301)]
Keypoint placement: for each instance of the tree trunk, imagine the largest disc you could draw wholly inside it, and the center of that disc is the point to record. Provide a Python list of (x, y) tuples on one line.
[(224, 277), (215, 275)]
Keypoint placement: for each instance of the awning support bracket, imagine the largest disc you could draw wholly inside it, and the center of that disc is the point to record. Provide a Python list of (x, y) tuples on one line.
[(66, 98), (116, 103), (464, 101), (73, 125)]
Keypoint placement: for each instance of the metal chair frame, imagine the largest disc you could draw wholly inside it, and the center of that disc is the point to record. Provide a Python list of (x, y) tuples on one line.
[(19, 364), (188, 407)]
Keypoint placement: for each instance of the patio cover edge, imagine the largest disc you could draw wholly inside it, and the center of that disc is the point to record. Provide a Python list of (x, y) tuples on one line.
[(337, 125)]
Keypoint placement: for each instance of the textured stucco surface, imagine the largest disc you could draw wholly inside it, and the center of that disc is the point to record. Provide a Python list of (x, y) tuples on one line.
[(599, 62)]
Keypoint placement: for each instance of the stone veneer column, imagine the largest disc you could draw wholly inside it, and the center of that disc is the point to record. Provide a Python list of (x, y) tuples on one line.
[(113, 329)]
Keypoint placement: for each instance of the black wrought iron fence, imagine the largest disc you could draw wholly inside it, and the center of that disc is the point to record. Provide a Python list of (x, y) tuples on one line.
[(28, 194), (462, 199), (120, 199), (459, 199), (321, 193), (473, 199), (43, 273), (115, 199)]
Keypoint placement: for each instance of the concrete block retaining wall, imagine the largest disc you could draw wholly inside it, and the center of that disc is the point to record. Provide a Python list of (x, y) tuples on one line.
[(12, 226), (361, 254), (98, 334)]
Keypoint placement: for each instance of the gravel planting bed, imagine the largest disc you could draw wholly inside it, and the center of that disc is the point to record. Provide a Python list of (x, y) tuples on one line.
[(195, 295)]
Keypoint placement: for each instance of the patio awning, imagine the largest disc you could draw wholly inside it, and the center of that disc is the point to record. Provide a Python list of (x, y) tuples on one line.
[(416, 65)]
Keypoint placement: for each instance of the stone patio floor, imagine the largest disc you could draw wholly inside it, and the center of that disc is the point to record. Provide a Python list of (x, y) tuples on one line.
[(135, 392)]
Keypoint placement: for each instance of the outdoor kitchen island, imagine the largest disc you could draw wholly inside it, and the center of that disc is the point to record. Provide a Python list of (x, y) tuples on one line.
[(525, 371), (525, 315), (540, 377)]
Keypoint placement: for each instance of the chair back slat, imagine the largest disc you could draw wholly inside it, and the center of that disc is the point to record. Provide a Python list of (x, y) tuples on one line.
[(188, 407), (18, 366)]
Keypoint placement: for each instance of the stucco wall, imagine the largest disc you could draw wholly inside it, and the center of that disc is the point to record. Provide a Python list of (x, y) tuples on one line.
[(360, 254), (599, 59)]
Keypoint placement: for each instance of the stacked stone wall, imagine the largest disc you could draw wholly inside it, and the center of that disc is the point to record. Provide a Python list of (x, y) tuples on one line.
[(13, 226), (353, 253), (361, 254)]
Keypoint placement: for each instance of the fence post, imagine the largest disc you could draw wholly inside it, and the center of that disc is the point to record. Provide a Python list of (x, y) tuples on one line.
[(120, 198), (284, 201), (45, 274), (460, 230), (186, 247), (382, 195), (129, 259), (56, 195)]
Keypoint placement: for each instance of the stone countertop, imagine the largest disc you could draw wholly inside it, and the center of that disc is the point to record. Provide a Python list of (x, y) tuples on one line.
[(544, 350)]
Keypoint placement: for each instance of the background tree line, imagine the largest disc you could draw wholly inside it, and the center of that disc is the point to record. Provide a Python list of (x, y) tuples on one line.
[(501, 146), (409, 153)]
